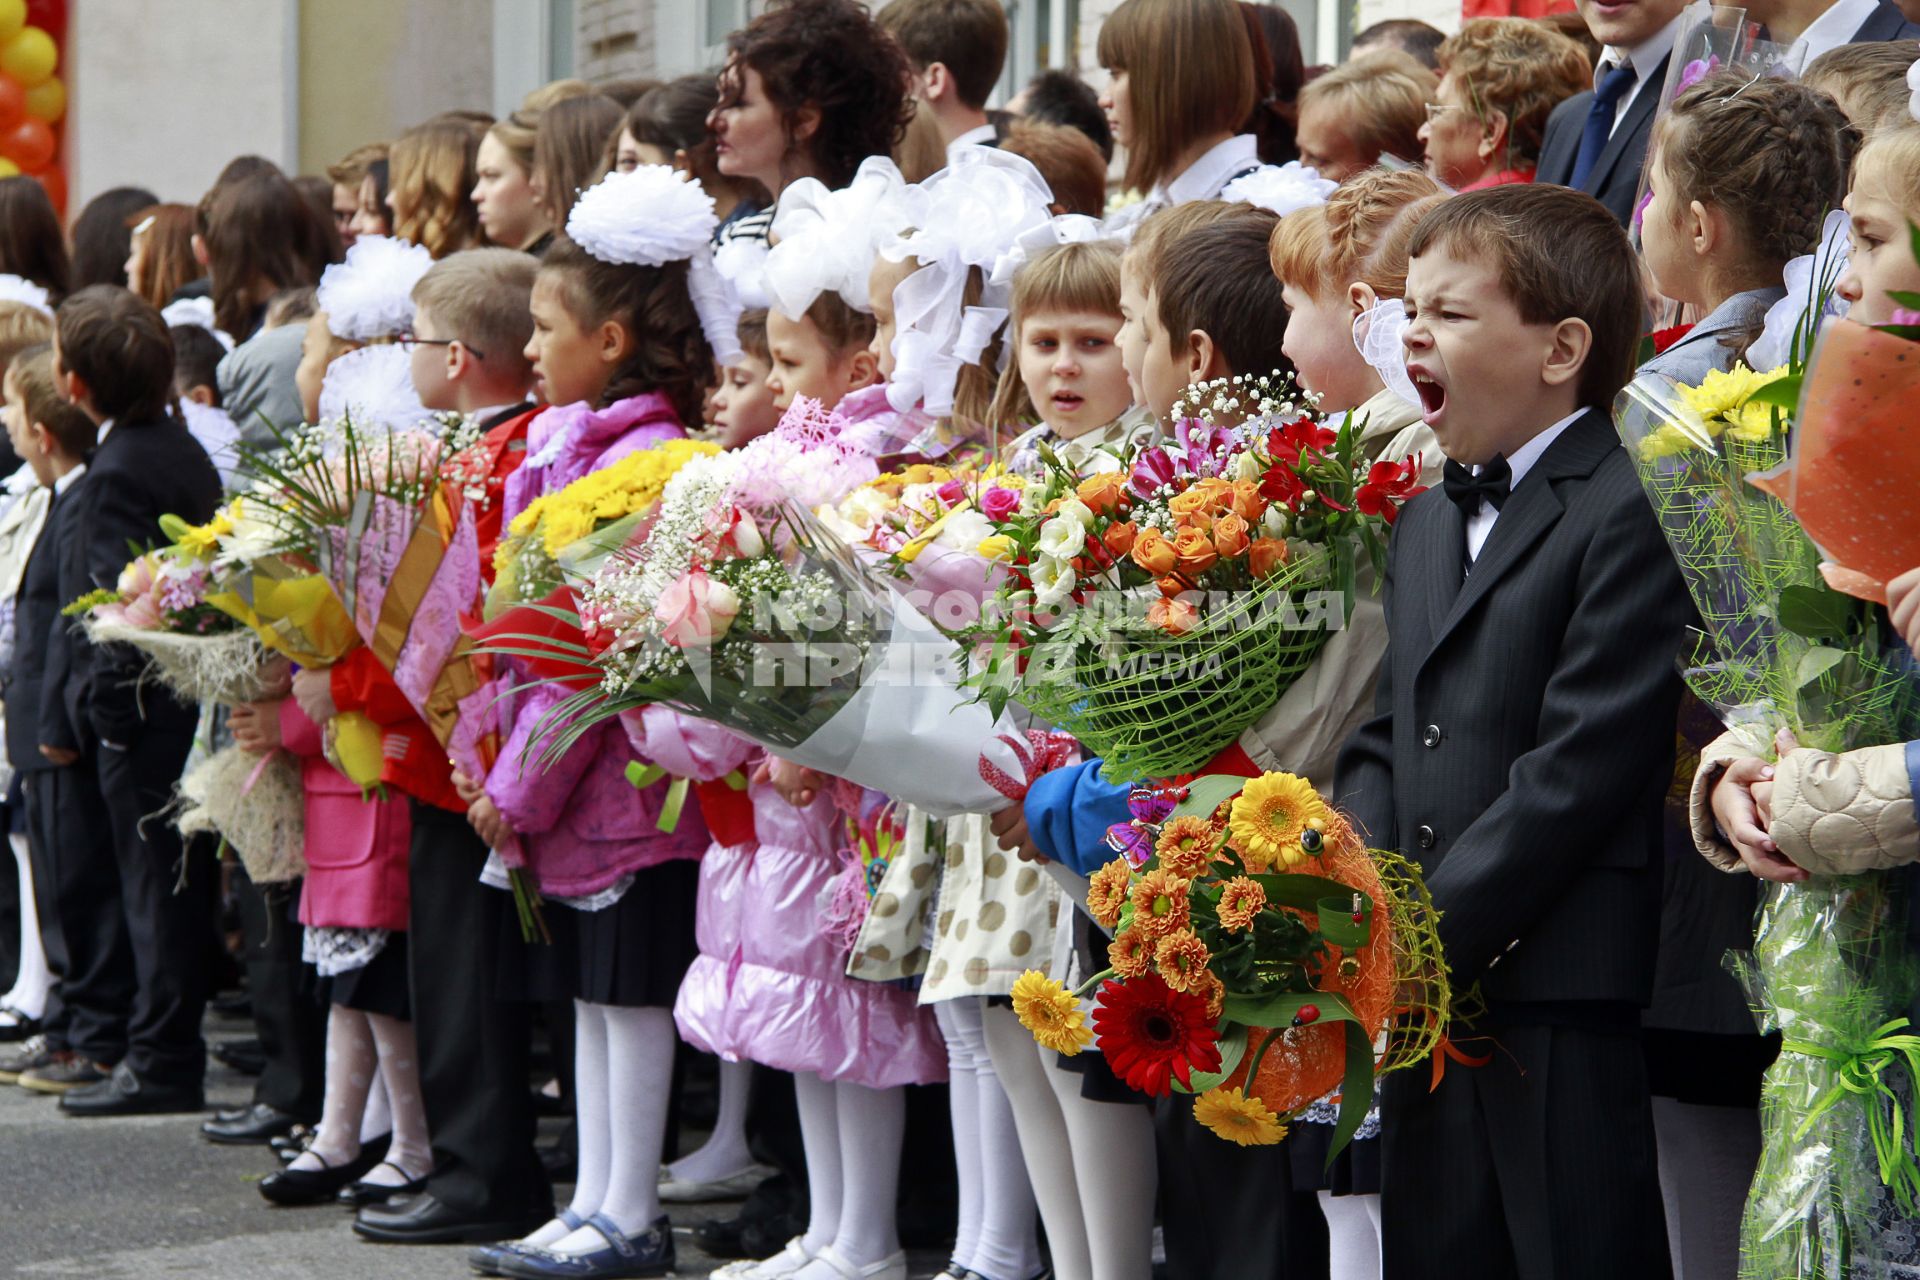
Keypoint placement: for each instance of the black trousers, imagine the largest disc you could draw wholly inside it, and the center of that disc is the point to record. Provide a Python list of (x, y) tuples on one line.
[(1538, 1165), (168, 894), (475, 1048), (288, 1015), (76, 889), (1230, 1212)]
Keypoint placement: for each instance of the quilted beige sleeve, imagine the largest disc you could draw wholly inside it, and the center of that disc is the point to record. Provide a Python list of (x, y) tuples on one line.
[(1714, 759), (1845, 814)]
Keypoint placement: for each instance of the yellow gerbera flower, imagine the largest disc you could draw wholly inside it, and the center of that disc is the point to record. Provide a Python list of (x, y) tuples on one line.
[(1107, 892), (1160, 903), (1182, 960), (1050, 1013), (1240, 901), (1268, 817), (1232, 1115), (1186, 846)]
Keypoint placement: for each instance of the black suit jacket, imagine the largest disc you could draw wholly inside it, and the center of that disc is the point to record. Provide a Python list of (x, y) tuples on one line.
[(1523, 732), (1615, 179), (1885, 23), (140, 472), (34, 716)]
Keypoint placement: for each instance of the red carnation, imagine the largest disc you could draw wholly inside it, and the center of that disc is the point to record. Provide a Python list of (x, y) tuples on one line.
[(1152, 1033)]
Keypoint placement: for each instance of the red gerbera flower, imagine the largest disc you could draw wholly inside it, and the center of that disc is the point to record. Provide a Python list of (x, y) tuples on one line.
[(1152, 1033)]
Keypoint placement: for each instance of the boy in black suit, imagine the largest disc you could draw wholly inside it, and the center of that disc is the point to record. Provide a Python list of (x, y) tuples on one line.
[(1522, 742), (113, 358)]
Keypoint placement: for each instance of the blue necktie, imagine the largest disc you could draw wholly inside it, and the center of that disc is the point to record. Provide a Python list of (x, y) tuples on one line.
[(1593, 139)]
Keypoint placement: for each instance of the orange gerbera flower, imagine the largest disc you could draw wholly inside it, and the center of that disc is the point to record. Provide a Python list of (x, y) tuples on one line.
[(1182, 960), (1160, 903), (1131, 954), (1240, 901), (1186, 846), (1107, 892)]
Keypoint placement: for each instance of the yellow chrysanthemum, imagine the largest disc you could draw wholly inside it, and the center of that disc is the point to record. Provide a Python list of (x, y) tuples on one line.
[(1723, 391), (1107, 892), (1182, 960), (1232, 1115), (1668, 441), (633, 484), (1160, 903), (1240, 901), (1131, 954), (1750, 423), (1186, 847), (1268, 817), (1050, 1013)]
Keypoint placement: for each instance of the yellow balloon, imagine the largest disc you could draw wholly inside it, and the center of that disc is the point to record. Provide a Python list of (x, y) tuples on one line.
[(13, 18), (48, 101), (8, 168), (30, 57)]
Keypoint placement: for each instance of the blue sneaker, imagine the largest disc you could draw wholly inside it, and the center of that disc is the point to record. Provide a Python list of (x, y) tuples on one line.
[(486, 1259), (650, 1253)]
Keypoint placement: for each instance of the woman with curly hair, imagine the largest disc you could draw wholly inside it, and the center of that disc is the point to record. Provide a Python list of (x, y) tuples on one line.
[(431, 170), (810, 89), (1500, 78)]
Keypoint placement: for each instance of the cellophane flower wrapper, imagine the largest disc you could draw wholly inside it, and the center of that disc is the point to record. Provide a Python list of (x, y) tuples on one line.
[(1830, 967)]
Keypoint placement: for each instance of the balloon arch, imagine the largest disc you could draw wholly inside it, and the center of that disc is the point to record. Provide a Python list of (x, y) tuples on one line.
[(33, 99)]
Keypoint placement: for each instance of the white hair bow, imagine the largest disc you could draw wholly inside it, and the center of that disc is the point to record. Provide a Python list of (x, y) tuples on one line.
[(195, 311), (20, 289), (1280, 188), (827, 240), (370, 295), (1066, 228), (1376, 335)]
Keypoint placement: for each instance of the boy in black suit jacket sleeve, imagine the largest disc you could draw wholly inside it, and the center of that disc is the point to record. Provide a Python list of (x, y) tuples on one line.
[(1522, 742)]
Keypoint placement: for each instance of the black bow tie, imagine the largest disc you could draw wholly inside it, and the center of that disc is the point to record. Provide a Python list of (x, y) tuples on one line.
[(1466, 490)]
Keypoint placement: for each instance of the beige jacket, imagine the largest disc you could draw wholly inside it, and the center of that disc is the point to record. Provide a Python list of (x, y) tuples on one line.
[(1833, 813)]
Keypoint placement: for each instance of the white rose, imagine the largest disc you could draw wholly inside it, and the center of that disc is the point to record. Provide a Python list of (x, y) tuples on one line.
[(1274, 522), (1246, 467), (1062, 537), (1077, 511), (964, 531), (1053, 581)]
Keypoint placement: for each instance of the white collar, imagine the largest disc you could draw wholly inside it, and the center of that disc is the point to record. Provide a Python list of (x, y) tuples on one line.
[(1644, 56), (1830, 30), (100, 436), (979, 136), (1521, 460), (1203, 179), (63, 483)]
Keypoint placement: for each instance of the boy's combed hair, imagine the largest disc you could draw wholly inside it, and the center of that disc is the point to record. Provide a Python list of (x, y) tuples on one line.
[(116, 343), (670, 354), (1190, 74), (32, 372), (752, 332), (21, 327), (969, 37), (196, 359), (832, 56), (1083, 277), (1868, 80), (1383, 96), (1360, 236), (1773, 154), (1172, 224), (1057, 96), (32, 245), (431, 170), (1560, 255), (1419, 40), (570, 151), (480, 296), (1216, 280), (349, 169), (1520, 67), (1067, 159)]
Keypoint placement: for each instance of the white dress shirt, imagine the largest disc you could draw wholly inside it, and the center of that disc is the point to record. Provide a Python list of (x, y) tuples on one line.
[(1645, 58), (1830, 30), (1480, 523), (978, 136), (63, 483)]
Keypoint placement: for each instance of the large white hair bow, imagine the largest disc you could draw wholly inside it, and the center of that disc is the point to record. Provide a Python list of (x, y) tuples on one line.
[(195, 311), (370, 295), (967, 215), (826, 240), (22, 290), (654, 215), (373, 384), (1066, 228), (1280, 188)]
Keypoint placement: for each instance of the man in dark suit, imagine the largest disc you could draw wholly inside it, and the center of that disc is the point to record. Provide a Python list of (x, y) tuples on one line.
[(114, 359), (1596, 142), (1522, 743), (1812, 27)]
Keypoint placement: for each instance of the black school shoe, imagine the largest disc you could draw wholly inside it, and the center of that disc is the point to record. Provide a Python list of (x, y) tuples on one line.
[(125, 1094)]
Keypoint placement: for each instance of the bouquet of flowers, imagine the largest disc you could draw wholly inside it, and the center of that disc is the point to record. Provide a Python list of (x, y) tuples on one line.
[(923, 526), (1830, 967), (1262, 956), (1155, 613)]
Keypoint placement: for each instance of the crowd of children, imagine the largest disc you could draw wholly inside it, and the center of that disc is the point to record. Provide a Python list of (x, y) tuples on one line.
[(1454, 242)]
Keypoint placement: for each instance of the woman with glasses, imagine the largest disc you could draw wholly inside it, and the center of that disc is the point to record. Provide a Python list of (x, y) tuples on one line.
[(1500, 78)]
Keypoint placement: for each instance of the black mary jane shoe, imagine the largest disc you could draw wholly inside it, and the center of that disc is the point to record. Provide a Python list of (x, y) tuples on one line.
[(292, 1187), (360, 1193)]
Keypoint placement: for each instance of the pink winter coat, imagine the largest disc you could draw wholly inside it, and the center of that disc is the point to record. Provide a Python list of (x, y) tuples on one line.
[(583, 826), (770, 983), (356, 848)]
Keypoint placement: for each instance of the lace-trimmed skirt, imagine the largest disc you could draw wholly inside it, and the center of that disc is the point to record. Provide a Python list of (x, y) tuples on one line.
[(364, 969)]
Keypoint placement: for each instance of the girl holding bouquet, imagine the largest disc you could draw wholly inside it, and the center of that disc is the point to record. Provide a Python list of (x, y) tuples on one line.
[(622, 352)]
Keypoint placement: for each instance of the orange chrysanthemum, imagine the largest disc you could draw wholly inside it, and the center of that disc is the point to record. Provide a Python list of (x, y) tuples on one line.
[(1160, 903), (1182, 960), (1107, 892), (1240, 901), (1186, 847), (1131, 954), (1214, 992)]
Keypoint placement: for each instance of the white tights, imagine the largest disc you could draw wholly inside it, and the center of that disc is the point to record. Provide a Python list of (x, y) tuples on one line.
[(359, 1047), (34, 980), (1353, 1236), (853, 1136), (1090, 1163), (724, 1153), (997, 1236)]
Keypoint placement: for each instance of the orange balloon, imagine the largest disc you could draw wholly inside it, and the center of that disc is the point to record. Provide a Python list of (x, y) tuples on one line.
[(29, 144), (13, 102), (13, 18), (30, 57), (55, 183), (47, 101)]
